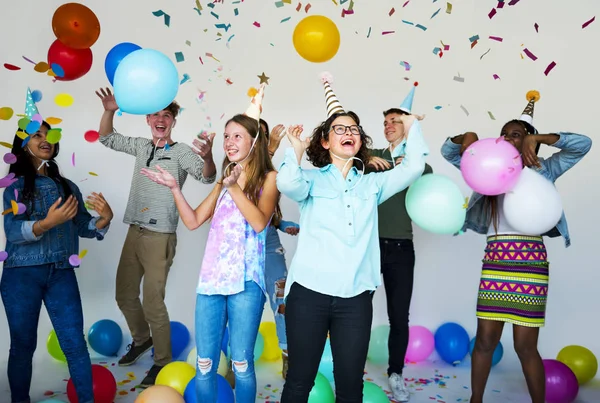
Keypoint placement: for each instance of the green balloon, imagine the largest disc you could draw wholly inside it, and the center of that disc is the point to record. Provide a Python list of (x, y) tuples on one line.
[(374, 394), (436, 204), (322, 391), (54, 348), (378, 345)]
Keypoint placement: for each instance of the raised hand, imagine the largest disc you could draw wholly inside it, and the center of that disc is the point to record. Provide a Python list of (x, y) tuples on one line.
[(378, 163), (530, 158), (160, 176), (275, 137), (203, 145), (293, 134), (292, 230), (233, 176), (60, 215), (98, 203), (108, 100)]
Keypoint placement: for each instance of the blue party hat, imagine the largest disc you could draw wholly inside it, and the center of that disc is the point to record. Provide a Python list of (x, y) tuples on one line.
[(30, 107), (408, 101)]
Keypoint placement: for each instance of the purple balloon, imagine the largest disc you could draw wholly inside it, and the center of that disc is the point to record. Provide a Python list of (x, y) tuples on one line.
[(10, 158), (491, 166), (3, 256), (561, 382)]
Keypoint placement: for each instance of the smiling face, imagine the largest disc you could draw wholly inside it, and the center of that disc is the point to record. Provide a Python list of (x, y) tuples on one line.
[(514, 133), (343, 138), (236, 142), (38, 145), (161, 123), (393, 128)]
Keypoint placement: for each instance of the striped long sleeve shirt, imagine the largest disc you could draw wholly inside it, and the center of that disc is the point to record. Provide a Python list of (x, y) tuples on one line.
[(151, 205)]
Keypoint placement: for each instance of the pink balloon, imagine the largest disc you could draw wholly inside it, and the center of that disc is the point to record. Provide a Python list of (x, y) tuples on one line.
[(421, 344), (491, 166), (561, 382)]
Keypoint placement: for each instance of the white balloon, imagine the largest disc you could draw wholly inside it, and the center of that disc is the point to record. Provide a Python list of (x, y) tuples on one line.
[(533, 206)]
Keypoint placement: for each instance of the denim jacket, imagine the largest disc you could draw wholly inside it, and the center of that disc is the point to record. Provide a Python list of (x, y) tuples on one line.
[(54, 246), (573, 147)]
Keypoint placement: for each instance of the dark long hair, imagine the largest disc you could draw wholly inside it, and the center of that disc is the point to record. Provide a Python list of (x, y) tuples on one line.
[(319, 156), (491, 202), (278, 216), (26, 168)]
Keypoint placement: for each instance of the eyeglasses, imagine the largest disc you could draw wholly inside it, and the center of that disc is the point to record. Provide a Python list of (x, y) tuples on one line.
[(340, 130)]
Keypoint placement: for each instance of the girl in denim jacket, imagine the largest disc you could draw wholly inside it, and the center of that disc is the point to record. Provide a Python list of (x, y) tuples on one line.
[(514, 280), (42, 233)]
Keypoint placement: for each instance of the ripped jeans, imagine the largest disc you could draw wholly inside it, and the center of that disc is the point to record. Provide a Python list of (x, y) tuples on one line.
[(275, 275), (243, 311)]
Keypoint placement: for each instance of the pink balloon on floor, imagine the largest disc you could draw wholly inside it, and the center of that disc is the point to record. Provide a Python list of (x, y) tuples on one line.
[(561, 382), (421, 344), (491, 166)]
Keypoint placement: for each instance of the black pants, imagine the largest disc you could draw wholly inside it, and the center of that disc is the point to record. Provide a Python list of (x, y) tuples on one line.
[(398, 269), (309, 316)]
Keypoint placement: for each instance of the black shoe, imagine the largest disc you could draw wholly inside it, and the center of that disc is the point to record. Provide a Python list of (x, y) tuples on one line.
[(150, 378), (135, 352)]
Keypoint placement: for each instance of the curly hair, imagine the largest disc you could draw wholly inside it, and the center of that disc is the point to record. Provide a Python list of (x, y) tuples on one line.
[(319, 156)]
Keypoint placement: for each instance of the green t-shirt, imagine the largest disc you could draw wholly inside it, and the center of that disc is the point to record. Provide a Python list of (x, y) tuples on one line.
[(394, 221)]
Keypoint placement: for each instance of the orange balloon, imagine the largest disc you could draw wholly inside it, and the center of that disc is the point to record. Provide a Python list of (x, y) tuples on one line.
[(76, 26), (316, 38), (159, 394)]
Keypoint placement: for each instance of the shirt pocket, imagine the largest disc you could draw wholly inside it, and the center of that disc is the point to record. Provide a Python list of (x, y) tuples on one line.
[(370, 192)]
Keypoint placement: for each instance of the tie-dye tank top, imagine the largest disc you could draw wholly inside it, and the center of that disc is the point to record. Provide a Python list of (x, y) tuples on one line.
[(234, 252)]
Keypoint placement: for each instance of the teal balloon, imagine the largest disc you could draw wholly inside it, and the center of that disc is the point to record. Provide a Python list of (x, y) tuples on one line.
[(321, 392), (436, 204), (259, 346), (378, 345), (374, 394)]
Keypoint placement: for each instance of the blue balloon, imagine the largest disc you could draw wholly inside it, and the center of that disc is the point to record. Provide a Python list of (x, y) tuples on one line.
[(146, 81), (180, 338), (114, 57), (36, 96), (225, 341), (105, 337), (498, 352), (224, 391), (452, 342)]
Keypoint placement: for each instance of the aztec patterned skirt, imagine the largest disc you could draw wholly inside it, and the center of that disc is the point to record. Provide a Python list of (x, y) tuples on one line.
[(514, 280)]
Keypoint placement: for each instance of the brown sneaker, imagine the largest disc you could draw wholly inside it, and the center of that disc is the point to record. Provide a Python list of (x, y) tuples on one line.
[(284, 361), (230, 376)]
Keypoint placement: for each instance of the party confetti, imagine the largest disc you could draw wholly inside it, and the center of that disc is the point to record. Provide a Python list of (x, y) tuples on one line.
[(5, 144), (549, 68), (387, 32), (185, 79), (536, 26), (369, 33), (406, 65), (404, 5), (529, 54), (407, 22), (496, 38), (64, 100), (73, 159), (588, 22), (459, 78), (448, 8), (421, 27), (488, 51), (161, 13), (492, 13), (179, 57), (11, 67), (392, 11), (285, 19), (223, 26), (513, 2), (29, 60), (308, 6), (6, 113), (41, 67), (496, 77), (93, 173), (491, 115), (256, 24), (214, 14), (436, 13), (464, 110)]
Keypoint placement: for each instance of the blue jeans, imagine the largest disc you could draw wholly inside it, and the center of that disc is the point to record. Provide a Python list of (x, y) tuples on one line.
[(243, 311), (23, 289), (275, 275)]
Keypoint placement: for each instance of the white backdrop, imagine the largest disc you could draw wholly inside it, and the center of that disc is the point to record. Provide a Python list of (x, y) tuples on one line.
[(368, 79)]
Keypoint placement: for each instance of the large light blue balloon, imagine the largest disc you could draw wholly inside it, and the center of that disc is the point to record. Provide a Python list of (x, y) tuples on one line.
[(436, 204), (146, 81)]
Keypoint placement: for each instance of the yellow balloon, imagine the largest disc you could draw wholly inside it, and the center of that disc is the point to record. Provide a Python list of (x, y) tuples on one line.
[(581, 361), (64, 100), (192, 359), (54, 347), (159, 394), (271, 352), (316, 38), (177, 375)]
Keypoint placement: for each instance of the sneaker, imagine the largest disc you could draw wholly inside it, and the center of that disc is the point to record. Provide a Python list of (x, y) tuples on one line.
[(399, 389), (230, 376), (150, 378), (284, 370), (134, 353)]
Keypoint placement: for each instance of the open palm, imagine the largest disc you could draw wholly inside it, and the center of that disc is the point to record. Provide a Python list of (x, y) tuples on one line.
[(161, 177), (108, 99)]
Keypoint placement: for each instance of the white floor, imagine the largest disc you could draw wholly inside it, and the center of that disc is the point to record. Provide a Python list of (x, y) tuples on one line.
[(431, 382)]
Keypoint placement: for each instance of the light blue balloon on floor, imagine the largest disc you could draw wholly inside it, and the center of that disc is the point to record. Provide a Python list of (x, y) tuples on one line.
[(435, 203), (498, 352), (378, 345), (105, 337), (326, 364), (146, 81)]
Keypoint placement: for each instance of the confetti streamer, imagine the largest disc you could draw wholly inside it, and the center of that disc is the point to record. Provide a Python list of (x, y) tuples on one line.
[(369, 33), (529, 54), (387, 32), (488, 51), (436, 13), (214, 14), (404, 5), (588, 22), (549, 68), (161, 13), (448, 8), (491, 115), (29, 60), (407, 22), (464, 110)]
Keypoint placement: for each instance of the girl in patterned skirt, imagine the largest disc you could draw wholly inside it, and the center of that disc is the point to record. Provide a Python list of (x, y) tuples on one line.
[(514, 279), (231, 288)]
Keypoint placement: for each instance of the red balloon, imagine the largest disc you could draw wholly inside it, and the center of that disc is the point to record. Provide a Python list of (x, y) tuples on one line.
[(105, 386), (74, 62)]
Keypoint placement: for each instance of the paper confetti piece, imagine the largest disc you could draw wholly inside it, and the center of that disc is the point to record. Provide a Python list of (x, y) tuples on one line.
[(6, 113), (161, 13), (214, 14), (448, 8), (41, 67), (406, 65), (279, 4), (185, 79), (404, 5), (392, 11), (308, 6), (513, 2), (529, 54), (536, 26), (179, 57), (29, 60), (549, 68), (488, 51), (73, 159), (496, 38), (421, 27), (91, 136), (53, 121), (474, 38), (492, 13), (459, 78), (464, 110), (256, 24), (223, 26), (299, 7), (407, 22), (11, 67), (588, 22), (285, 19), (491, 115), (63, 100), (437, 108), (93, 173), (496, 77), (436, 13), (5, 144), (387, 32)]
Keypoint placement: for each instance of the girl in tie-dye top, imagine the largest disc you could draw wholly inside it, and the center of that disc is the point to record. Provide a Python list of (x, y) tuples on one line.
[(231, 289)]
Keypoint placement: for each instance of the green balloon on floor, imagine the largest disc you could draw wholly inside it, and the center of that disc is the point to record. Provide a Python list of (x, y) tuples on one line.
[(373, 394), (54, 347), (322, 391)]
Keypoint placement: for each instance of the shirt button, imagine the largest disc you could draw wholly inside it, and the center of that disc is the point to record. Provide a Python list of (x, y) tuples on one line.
[(349, 223), (346, 190), (348, 206)]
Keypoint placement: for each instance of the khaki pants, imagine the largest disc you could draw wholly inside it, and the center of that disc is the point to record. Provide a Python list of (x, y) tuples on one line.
[(146, 254)]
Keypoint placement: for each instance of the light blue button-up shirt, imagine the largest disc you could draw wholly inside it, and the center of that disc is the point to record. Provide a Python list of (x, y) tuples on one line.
[(338, 245)]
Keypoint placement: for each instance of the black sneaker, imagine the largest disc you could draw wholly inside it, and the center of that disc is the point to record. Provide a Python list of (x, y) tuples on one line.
[(150, 378), (134, 353)]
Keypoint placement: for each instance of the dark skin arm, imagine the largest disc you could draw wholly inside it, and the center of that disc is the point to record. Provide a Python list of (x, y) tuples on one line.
[(465, 140), (530, 143)]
